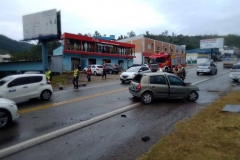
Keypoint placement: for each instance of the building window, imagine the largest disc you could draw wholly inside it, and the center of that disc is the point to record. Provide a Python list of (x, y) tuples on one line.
[(165, 49), (149, 46)]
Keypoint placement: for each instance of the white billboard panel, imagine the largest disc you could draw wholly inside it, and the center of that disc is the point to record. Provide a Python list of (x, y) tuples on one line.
[(212, 43), (40, 25)]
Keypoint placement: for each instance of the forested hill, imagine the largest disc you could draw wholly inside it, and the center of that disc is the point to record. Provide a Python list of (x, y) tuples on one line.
[(193, 42), (7, 44)]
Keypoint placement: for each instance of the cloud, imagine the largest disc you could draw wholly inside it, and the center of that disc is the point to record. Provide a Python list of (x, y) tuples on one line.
[(110, 17)]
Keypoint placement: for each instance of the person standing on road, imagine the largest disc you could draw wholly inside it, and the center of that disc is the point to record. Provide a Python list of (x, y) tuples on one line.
[(89, 72), (104, 71), (75, 77), (48, 75), (179, 72)]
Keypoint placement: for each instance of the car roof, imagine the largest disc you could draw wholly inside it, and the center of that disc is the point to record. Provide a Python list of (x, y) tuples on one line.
[(25, 75), (156, 73)]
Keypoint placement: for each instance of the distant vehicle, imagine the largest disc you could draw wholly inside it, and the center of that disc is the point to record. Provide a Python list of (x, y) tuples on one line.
[(166, 62), (129, 74), (134, 65), (8, 112), (96, 69), (32, 72), (228, 62), (207, 68), (25, 86), (161, 85), (113, 68), (235, 72)]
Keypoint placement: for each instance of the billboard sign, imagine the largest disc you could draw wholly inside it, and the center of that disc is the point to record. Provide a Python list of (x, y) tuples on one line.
[(42, 25), (212, 43)]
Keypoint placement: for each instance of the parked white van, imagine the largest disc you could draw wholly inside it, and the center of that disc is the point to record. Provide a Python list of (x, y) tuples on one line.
[(25, 86)]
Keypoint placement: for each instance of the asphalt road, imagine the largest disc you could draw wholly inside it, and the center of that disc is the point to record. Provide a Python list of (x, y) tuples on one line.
[(117, 137)]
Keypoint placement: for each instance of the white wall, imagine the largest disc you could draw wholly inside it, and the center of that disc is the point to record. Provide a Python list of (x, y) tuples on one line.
[(202, 60), (138, 59), (191, 55)]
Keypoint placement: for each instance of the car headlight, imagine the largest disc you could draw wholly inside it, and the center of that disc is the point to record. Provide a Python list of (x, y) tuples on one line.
[(10, 105), (133, 75)]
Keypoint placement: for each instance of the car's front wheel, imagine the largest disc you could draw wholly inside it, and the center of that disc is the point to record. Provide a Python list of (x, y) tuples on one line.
[(5, 118), (46, 95), (147, 98), (123, 81), (110, 72), (193, 96)]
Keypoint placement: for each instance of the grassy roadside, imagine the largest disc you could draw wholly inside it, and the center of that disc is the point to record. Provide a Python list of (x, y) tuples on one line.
[(211, 134)]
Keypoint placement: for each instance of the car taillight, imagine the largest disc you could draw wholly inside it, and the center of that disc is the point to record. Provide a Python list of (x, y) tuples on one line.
[(209, 67), (139, 87), (97, 69)]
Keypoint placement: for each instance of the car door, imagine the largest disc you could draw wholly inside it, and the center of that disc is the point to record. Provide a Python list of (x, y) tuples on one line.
[(93, 69), (18, 89), (177, 87), (34, 84), (214, 68), (159, 86)]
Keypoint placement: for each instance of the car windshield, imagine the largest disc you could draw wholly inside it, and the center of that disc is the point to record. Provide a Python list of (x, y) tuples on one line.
[(236, 66), (5, 80), (133, 69), (204, 64), (156, 60)]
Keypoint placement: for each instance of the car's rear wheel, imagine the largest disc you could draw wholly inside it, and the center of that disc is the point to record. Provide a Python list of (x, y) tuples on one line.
[(193, 96), (110, 72), (147, 98), (95, 73), (5, 118), (197, 73), (216, 72), (46, 95)]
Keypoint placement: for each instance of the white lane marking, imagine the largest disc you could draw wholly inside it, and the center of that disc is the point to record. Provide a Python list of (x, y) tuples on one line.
[(209, 78), (35, 141)]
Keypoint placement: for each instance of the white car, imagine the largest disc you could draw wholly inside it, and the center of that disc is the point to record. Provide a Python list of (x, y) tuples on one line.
[(129, 74), (8, 112), (96, 69), (235, 72), (25, 86)]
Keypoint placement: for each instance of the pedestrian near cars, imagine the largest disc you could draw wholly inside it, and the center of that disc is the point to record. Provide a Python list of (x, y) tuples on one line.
[(89, 72), (179, 72), (104, 71), (48, 74), (75, 77)]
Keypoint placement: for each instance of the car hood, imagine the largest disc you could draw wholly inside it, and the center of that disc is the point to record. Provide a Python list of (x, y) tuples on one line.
[(193, 87), (4, 100), (128, 73)]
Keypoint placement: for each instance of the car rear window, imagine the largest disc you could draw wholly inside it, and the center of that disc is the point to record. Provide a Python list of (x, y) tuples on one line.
[(34, 79), (157, 79), (137, 78), (99, 66), (236, 66)]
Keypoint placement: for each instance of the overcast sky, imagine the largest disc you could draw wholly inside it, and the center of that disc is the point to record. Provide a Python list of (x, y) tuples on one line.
[(117, 17)]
